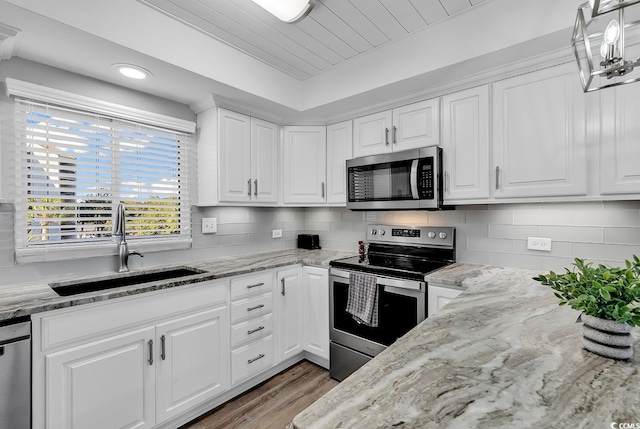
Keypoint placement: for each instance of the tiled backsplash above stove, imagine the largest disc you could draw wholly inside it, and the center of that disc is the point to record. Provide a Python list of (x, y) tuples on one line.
[(488, 234)]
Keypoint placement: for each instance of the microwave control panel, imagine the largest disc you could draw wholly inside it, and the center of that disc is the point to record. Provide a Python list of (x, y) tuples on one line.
[(426, 183)]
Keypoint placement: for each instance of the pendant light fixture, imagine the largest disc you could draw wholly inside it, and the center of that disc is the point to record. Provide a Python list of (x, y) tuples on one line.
[(606, 43), (290, 11)]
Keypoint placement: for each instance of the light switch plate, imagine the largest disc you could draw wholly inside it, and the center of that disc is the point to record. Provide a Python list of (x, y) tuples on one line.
[(209, 225), (276, 233)]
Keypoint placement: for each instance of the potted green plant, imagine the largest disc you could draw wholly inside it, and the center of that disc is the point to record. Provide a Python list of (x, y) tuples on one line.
[(607, 298)]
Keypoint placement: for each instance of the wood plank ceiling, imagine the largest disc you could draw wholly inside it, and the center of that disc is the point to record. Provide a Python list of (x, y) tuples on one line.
[(334, 31)]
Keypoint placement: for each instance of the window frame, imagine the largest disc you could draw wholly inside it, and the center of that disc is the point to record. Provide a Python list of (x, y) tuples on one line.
[(82, 104)]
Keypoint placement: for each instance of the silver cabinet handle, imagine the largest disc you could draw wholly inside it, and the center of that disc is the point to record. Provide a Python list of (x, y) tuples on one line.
[(283, 286), (260, 356), (150, 343), (394, 134), (249, 185), (446, 181), (163, 351), (253, 331), (255, 285), (386, 136), (255, 308), (497, 177), (323, 189), (255, 187)]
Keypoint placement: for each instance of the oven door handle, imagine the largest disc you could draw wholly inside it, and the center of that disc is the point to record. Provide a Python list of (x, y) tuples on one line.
[(398, 284), (414, 179)]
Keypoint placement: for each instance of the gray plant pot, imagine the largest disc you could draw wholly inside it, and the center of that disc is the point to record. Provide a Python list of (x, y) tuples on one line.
[(607, 338)]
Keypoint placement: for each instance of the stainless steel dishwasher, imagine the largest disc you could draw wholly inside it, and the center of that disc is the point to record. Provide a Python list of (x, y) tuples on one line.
[(15, 375)]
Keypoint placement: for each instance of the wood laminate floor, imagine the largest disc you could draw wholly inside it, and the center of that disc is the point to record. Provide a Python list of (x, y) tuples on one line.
[(272, 404)]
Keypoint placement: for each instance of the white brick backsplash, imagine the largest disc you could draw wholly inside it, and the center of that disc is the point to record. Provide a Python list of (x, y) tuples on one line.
[(622, 235), (583, 234), (481, 244), (600, 253), (317, 226), (504, 217), (620, 217), (542, 217), (513, 231)]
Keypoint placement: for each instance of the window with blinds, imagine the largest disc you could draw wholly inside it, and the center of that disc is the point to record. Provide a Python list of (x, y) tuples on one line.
[(74, 167)]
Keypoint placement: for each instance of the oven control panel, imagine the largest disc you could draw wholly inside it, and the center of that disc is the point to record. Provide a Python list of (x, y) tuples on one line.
[(436, 236)]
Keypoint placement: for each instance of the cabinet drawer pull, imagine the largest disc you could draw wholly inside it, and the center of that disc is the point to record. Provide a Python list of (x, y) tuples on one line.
[(253, 331), (498, 177), (163, 352), (255, 308), (255, 188), (249, 185), (386, 136), (150, 343), (260, 356), (394, 134), (283, 287), (322, 189), (255, 285)]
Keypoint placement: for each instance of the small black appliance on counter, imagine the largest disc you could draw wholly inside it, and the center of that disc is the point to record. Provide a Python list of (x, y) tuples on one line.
[(308, 241)]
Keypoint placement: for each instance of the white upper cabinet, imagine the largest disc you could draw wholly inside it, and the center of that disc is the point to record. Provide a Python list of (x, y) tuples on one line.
[(620, 140), (264, 161), (248, 158), (234, 161), (539, 135), (407, 127), (339, 149), (465, 144), (305, 164)]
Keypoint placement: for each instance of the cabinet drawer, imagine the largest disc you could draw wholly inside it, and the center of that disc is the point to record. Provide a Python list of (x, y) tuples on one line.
[(252, 329), (252, 359), (251, 307), (251, 285)]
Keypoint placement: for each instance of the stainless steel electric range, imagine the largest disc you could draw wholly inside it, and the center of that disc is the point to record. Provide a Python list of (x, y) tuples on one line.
[(398, 258)]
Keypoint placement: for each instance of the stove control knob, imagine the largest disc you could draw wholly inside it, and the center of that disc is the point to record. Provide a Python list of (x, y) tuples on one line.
[(442, 235), (374, 231), (431, 234), (381, 232)]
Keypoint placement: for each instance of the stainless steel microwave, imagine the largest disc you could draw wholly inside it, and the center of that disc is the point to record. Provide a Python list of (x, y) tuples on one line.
[(406, 180)]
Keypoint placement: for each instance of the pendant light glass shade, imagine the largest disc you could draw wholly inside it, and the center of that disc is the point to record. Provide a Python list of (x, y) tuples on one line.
[(607, 45), (598, 7), (290, 11)]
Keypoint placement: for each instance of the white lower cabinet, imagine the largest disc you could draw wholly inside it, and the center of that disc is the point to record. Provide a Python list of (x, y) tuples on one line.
[(131, 362), (252, 343), (316, 311), (289, 310), (438, 296)]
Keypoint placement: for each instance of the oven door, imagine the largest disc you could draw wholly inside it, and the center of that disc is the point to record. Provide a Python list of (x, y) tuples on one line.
[(401, 306)]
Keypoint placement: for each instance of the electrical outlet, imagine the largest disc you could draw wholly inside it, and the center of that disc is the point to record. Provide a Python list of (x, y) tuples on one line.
[(276, 233), (537, 243), (209, 225)]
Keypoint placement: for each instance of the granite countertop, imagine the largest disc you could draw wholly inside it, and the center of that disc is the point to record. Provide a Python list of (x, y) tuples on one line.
[(501, 355), (24, 299)]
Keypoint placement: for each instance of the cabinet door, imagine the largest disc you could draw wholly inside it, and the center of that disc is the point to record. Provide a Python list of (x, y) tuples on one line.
[(339, 149), (289, 312), (103, 385), (372, 134), (305, 164), (438, 297), (193, 361), (416, 125), (620, 140), (264, 161), (234, 156), (465, 144), (539, 134), (316, 311)]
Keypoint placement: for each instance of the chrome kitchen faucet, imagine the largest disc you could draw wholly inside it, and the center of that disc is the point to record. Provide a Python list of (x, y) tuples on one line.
[(123, 248)]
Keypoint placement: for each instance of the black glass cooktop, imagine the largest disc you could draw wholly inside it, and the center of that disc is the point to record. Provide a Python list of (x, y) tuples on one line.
[(391, 266)]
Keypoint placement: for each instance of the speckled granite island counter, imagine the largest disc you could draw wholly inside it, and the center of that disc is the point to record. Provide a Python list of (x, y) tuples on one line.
[(18, 300), (501, 355)]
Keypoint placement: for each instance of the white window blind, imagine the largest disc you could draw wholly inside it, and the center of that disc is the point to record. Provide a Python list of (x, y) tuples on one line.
[(74, 167)]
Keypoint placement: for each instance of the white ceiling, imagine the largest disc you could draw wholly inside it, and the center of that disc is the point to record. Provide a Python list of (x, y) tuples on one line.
[(346, 56), (334, 31)]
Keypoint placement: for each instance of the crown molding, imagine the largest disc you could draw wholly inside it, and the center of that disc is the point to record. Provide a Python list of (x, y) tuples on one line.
[(7, 41)]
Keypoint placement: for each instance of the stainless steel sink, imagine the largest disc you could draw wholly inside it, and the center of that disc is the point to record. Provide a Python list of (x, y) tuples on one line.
[(128, 279)]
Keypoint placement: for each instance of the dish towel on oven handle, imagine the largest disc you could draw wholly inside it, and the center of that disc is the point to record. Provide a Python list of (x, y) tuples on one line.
[(362, 299)]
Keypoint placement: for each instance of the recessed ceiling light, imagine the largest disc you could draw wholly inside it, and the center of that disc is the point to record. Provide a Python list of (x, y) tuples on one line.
[(132, 71)]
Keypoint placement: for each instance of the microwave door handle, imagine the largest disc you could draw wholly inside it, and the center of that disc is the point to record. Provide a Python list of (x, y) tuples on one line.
[(414, 179)]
